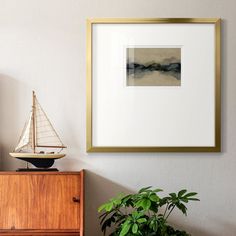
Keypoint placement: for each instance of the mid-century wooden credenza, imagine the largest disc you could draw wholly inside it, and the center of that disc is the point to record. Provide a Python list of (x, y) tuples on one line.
[(41, 203)]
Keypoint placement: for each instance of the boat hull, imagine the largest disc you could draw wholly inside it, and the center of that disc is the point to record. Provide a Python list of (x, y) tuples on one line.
[(37, 159)]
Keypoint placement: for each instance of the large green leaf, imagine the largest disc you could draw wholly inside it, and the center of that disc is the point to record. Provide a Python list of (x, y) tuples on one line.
[(134, 228), (146, 203), (157, 190), (125, 228), (136, 214), (154, 207), (144, 189), (182, 192), (102, 207), (173, 195), (182, 207), (153, 197), (109, 206), (190, 194), (193, 199), (141, 220)]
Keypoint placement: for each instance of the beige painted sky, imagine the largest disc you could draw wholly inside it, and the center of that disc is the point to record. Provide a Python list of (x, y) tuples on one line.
[(145, 55)]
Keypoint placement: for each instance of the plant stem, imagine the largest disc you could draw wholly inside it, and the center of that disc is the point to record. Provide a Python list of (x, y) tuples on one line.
[(120, 211), (170, 212), (165, 210)]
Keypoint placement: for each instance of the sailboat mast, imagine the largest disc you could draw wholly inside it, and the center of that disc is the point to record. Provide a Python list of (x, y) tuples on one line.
[(33, 119)]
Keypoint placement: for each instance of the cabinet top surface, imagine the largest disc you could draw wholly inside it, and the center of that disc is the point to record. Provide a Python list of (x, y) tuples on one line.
[(40, 172)]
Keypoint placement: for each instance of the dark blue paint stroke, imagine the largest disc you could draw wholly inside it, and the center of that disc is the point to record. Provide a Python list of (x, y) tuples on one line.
[(139, 70)]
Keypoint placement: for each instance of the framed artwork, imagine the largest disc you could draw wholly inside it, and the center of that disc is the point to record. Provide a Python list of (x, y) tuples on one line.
[(153, 85)]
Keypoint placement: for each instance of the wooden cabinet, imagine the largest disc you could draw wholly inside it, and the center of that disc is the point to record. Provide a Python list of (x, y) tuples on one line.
[(41, 203)]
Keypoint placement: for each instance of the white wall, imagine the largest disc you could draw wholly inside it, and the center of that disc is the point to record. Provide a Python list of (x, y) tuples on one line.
[(42, 47)]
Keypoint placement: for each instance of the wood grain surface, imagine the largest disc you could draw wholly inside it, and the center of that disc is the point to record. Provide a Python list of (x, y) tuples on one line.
[(33, 203)]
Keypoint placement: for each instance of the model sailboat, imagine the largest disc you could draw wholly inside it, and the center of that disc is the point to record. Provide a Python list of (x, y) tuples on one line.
[(38, 135)]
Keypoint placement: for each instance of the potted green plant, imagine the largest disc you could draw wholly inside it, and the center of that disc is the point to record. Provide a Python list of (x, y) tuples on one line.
[(144, 213)]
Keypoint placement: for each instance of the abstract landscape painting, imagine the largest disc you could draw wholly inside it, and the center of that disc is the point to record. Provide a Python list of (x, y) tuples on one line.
[(153, 66)]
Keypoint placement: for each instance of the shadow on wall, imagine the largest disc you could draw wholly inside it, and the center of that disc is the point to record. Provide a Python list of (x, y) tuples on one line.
[(224, 229), (97, 191), (12, 94), (197, 231), (194, 231)]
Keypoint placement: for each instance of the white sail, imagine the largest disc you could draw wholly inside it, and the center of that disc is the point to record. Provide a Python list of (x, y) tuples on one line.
[(46, 135), (26, 139)]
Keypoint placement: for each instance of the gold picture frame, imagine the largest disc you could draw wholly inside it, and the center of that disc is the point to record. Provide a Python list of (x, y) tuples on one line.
[(90, 147)]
